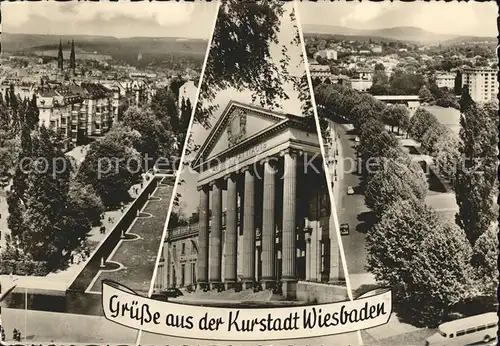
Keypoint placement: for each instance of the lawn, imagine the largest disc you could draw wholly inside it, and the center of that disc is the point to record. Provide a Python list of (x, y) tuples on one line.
[(139, 256)]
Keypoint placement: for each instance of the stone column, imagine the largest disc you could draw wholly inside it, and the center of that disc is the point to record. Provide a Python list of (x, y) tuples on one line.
[(203, 238), (319, 258), (231, 243), (269, 225), (215, 273), (308, 257), (248, 258), (187, 274), (168, 265), (289, 223)]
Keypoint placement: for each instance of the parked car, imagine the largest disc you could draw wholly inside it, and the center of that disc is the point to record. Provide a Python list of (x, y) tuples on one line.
[(168, 293), (356, 139), (344, 229), (350, 190), (173, 292)]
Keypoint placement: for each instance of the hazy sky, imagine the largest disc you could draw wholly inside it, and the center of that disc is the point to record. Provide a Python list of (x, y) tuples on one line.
[(190, 196), (461, 18), (123, 19)]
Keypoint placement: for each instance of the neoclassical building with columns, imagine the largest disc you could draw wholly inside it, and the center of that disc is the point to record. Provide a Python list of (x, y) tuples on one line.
[(264, 212)]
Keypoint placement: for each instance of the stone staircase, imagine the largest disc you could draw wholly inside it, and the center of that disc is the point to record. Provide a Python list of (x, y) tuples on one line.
[(229, 295)]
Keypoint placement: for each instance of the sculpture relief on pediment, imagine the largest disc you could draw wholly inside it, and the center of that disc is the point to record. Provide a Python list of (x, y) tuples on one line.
[(236, 128)]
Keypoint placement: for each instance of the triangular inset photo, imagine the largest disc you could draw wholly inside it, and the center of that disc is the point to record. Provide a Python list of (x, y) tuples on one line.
[(252, 224)]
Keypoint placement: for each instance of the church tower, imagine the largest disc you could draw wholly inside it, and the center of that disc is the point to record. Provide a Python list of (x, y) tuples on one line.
[(60, 57), (72, 63)]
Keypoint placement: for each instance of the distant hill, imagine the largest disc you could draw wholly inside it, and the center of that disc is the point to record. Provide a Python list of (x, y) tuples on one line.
[(125, 49), (404, 33)]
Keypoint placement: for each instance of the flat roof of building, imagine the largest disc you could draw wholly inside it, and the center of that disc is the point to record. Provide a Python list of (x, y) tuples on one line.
[(397, 97)]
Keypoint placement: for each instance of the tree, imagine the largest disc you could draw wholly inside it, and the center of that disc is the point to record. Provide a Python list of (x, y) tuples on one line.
[(164, 106), (447, 99), (110, 169), (395, 115), (154, 140), (10, 146), (380, 81), (39, 199), (396, 180), (484, 260), (175, 85), (432, 136), (84, 202), (185, 118), (124, 136), (240, 56), (425, 94), (420, 122), (424, 261), (442, 275), (447, 155), (405, 83), (457, 90), (477, 169)]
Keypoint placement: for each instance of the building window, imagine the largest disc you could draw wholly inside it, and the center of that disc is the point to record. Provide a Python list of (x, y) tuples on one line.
[(183, 251)]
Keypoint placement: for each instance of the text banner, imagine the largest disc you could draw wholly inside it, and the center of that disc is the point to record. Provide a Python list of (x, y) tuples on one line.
[(214, 323)]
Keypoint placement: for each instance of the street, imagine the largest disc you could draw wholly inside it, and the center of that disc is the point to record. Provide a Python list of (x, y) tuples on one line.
[(351, 209)]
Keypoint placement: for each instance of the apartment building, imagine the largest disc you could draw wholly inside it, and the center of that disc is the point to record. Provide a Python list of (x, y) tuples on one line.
[(445, 80), (329, 54), (482, 83), (79, 111)]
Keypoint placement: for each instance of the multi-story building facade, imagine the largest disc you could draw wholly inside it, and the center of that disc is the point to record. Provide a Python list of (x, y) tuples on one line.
[(445, 80), (21, 89), (364, 74), (329, 54), (320, 72), (482, 83), (79, 112)]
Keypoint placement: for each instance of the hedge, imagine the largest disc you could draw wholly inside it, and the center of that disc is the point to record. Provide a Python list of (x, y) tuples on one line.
[(33, 268)]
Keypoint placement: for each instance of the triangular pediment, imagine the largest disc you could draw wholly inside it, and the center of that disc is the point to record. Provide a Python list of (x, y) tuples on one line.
[(237, 123)]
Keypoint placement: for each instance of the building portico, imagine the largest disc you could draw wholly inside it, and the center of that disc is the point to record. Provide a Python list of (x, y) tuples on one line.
[(265, 169)]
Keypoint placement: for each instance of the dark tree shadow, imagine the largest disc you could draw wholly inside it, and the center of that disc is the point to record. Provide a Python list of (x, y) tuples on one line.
[(435, 184), (412, 150), (367, 219)]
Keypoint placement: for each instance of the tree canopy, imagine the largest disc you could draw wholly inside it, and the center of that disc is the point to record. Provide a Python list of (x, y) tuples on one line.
[(240, 55)]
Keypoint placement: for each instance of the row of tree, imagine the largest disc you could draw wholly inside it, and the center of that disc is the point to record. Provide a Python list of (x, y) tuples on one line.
[(432, 265)]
